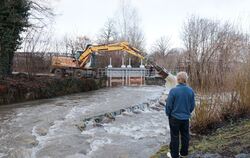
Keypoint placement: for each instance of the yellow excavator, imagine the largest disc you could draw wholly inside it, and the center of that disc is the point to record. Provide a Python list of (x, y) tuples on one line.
[(80, 64)]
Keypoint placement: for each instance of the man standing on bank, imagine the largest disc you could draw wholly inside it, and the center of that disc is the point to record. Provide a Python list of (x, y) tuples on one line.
[(179, 106)]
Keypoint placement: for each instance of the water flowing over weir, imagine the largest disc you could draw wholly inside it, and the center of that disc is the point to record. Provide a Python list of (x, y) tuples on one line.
[(117, 122)]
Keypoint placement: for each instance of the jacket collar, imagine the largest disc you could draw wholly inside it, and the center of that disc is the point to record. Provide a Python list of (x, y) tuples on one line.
[(181, 84)]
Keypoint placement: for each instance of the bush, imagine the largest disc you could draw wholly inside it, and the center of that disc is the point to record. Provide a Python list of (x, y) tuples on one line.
[(206, 115), (239, 104), (17, 89), (216, 107)]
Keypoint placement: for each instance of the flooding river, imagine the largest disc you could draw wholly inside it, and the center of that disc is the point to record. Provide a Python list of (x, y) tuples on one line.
[(48, 128)]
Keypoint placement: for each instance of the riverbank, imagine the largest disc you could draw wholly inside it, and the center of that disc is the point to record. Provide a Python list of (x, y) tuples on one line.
[(20, 88), (231, 140)]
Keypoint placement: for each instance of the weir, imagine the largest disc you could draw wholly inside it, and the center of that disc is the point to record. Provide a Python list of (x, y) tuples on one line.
[(126, 75)]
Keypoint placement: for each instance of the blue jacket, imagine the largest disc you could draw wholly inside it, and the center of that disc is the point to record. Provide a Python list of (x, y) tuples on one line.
[(180, 102)]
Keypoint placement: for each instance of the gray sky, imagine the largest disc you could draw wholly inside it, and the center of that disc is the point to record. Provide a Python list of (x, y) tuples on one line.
[(158, 17)]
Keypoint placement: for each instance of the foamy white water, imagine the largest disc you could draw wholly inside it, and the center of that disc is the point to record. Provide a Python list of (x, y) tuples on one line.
[(48, 128), (171, 81)]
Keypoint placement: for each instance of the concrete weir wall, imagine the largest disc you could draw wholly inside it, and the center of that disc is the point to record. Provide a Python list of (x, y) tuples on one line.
[(126, 76)]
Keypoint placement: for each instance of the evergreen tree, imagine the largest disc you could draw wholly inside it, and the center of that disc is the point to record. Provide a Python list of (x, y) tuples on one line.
[(13, 21)]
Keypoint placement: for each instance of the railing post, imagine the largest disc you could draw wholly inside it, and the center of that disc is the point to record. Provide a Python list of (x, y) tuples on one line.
[(107, 82), (111, 76), (127, 77)]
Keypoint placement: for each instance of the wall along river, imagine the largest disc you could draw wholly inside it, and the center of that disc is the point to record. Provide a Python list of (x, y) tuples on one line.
[(49, 128)]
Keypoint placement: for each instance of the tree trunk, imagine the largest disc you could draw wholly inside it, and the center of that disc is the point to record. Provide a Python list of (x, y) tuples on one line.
[(5, 63), (10, 65)]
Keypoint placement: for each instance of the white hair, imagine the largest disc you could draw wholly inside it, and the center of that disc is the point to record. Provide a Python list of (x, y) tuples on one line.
[(182, 77)]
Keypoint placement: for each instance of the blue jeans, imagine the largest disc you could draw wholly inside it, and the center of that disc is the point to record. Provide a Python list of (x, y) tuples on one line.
[(179, 127)]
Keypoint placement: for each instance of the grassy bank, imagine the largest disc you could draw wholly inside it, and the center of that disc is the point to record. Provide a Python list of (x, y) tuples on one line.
[(22, 88), (228, 141)]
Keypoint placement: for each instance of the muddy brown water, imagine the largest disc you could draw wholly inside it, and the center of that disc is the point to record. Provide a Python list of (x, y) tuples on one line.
[(47, 128)]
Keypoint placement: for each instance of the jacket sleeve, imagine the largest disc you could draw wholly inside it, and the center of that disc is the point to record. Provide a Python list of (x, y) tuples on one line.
[(192, 103), (169, 103)]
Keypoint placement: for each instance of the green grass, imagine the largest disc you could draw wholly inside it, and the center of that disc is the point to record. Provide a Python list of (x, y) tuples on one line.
[(227, 141)]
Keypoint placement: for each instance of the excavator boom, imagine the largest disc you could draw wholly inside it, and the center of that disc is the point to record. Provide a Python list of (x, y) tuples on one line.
[(123, 46)]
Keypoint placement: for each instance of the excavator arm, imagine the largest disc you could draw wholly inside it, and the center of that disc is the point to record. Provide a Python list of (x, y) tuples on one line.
[(123, 46), (161, 70)]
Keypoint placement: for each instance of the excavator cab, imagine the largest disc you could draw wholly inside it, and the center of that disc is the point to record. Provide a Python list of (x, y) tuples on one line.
[(77, 54)]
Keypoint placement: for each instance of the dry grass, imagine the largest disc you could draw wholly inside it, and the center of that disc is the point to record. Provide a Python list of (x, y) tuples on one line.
[(206, 115), (214, 108), (238, 104)]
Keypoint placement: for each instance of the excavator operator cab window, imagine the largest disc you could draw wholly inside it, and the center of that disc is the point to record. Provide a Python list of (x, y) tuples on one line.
[(77, 54)]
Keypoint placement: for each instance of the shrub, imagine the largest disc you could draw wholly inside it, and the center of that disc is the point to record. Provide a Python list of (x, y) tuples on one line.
[(227, 104), (206, 115), (17, 89)]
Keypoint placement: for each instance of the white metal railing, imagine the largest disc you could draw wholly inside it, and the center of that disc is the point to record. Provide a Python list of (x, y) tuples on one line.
[(126, 72), (125, 76)]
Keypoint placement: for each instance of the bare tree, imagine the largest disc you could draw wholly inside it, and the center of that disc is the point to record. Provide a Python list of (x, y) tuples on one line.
[(108, 33), (128, 25), (212, 51), (124, 26), (174, 59), (32, 57), (160, 50), (36, 39), (76, 43), (161, 46), (70, 43), (42, 13), (201, 38)]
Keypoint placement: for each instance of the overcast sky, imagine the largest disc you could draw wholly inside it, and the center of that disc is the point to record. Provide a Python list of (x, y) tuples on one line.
[(158, 17)]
